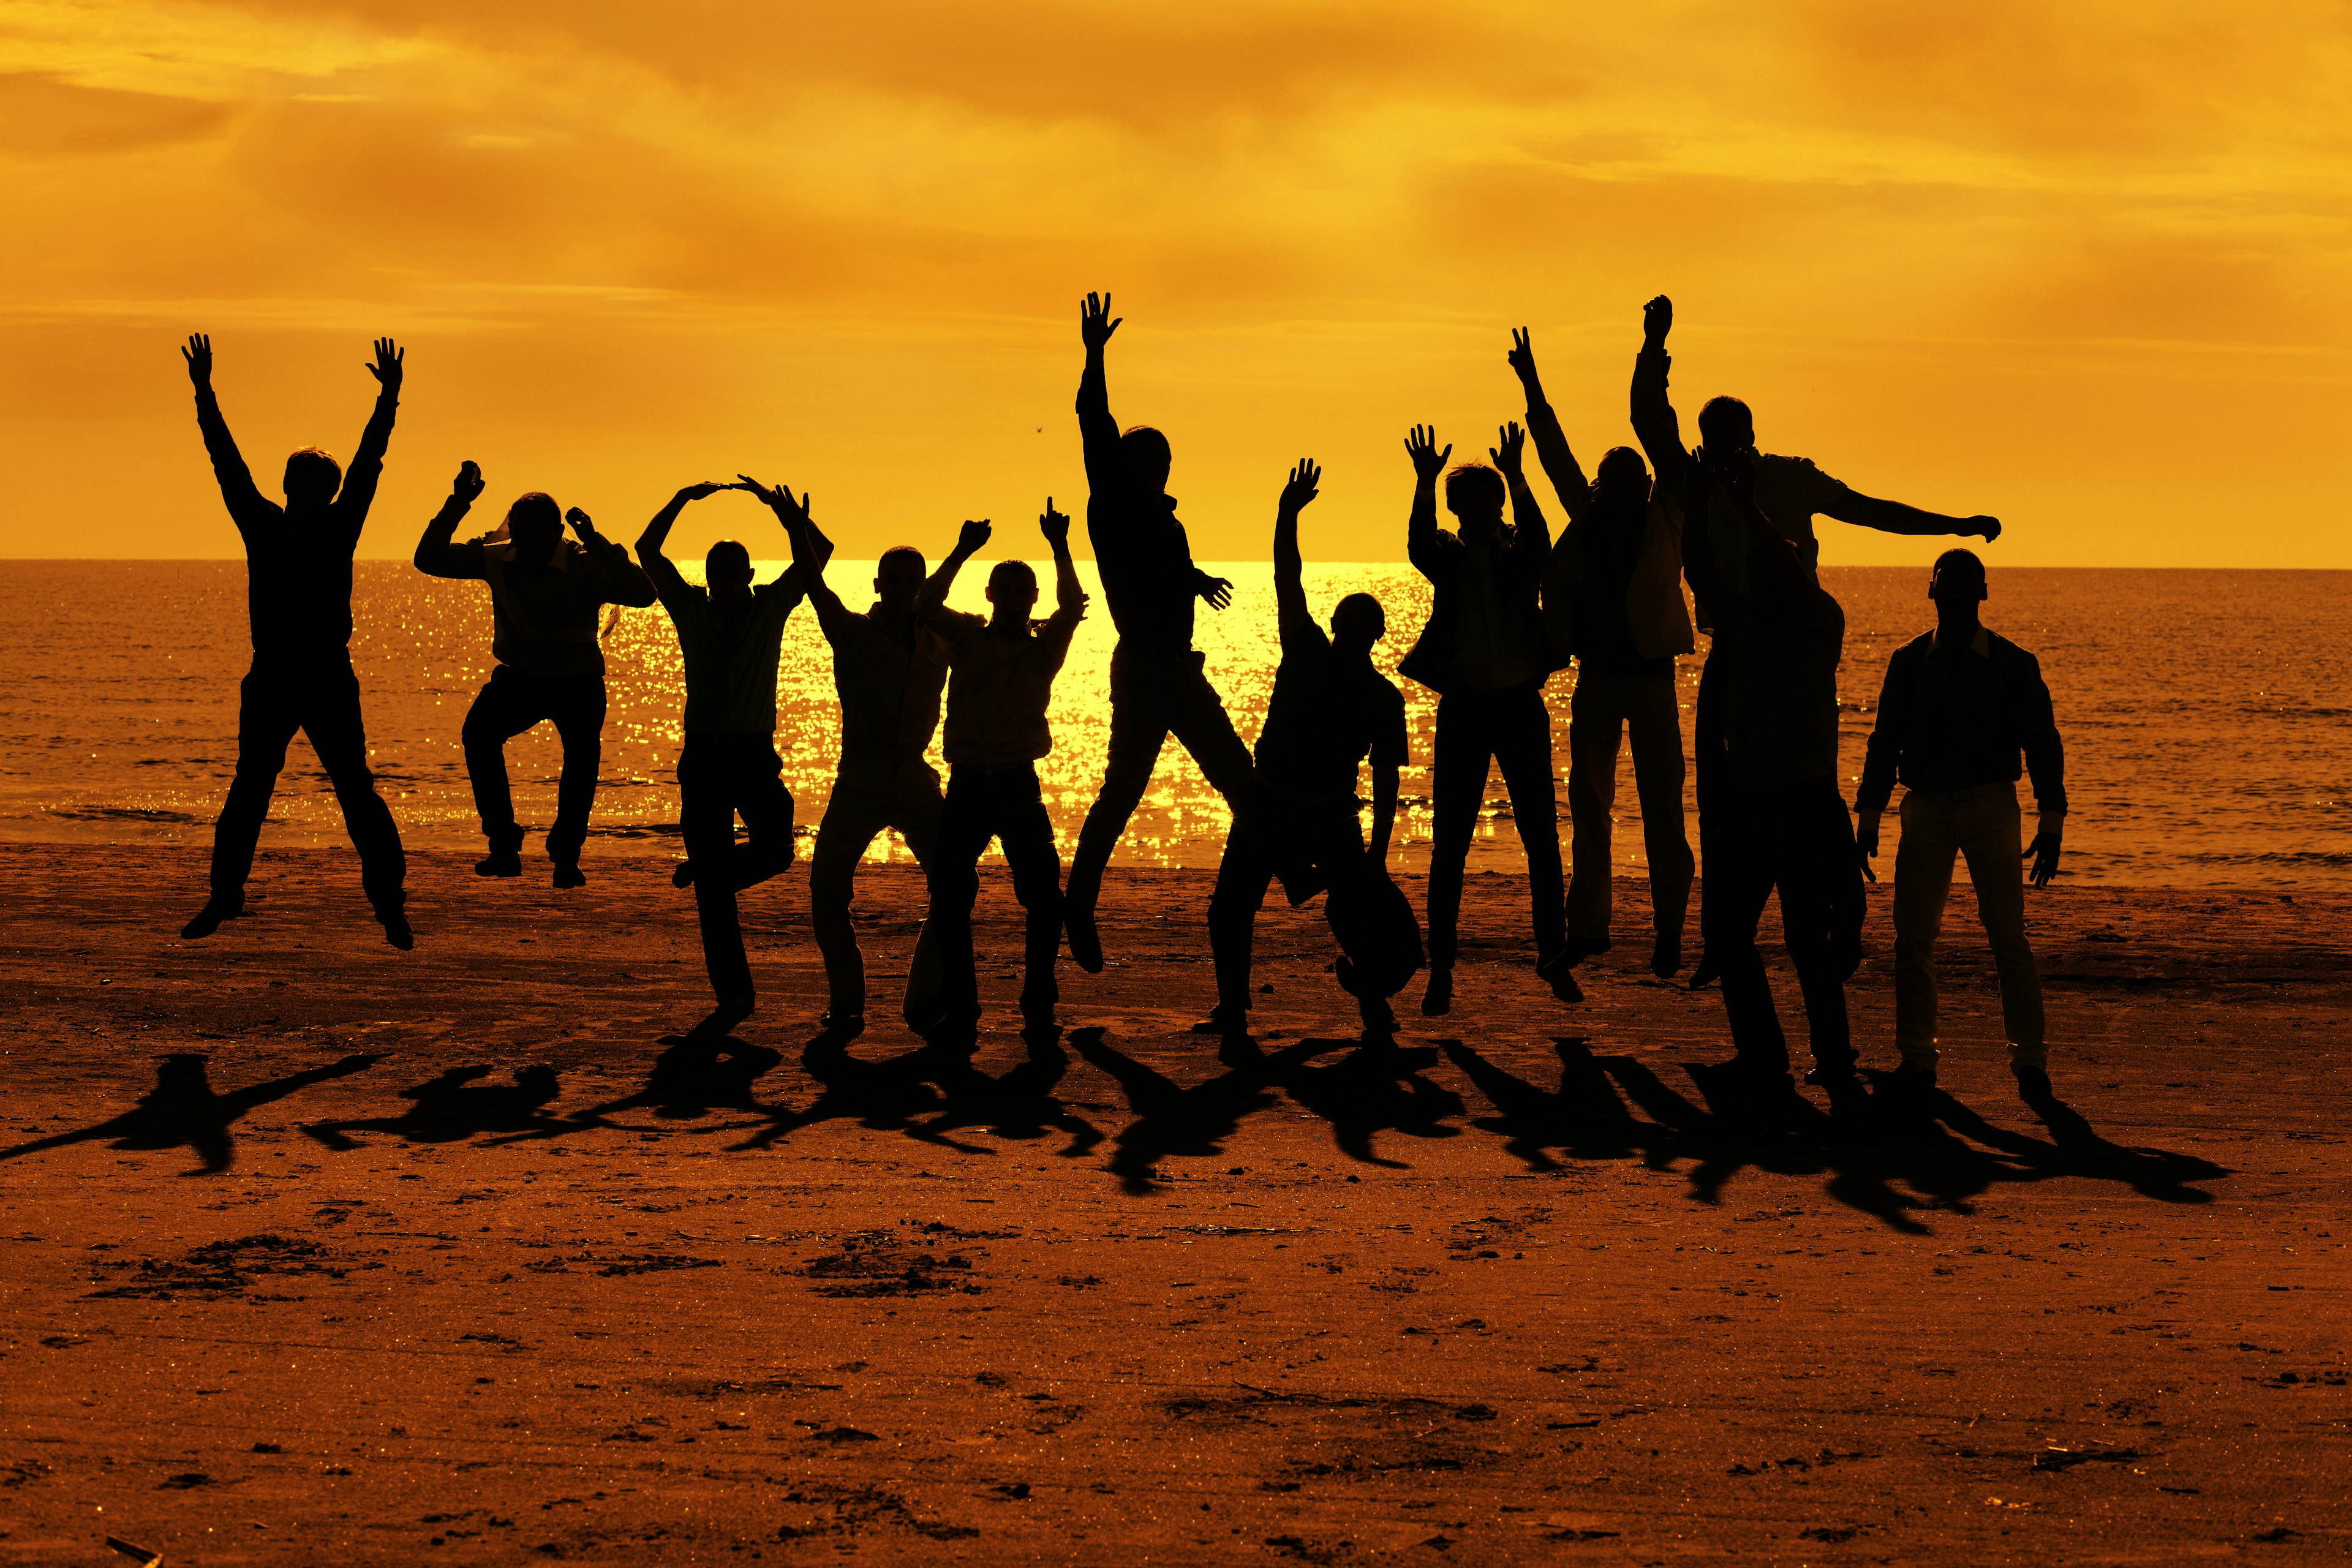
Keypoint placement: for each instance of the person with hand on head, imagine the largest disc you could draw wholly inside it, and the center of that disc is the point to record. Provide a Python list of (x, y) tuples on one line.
[(299, 601), (545, 593), (1782, 826), (1484, 653), (1331, 710), (1790, 492), (731, 635), (888, 670), (1000, 671), (1613, 596), (1959, 705), (1158, 685)]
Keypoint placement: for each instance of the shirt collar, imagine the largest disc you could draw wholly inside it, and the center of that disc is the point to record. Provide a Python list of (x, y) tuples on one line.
[(1981, 645)]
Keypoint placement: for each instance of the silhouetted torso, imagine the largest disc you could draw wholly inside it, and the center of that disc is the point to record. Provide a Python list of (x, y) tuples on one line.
[(999, 687), (889, 682), (730, 661), (1613, 536), (1952, 718), (1324, 717)]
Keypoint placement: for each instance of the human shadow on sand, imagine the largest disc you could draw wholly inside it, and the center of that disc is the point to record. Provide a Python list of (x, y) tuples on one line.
[(183, 1110), (454, 1107), (1895, 1164), (693, 1077)]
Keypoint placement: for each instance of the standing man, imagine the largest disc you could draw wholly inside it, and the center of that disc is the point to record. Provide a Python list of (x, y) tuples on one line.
[(545, 591), (1330, 709), (1783, 826), (1000, 679), (298, 563), (1613, 596), (1790, 492), (1158, 686), (1959, 707), (730, 635), (1485, 654), (888, 670)]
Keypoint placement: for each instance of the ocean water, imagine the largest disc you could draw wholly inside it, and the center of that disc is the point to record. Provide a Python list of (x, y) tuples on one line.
[(2206, 714)]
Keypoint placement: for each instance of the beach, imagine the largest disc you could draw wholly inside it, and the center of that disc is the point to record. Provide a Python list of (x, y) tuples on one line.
[(321, 1252)]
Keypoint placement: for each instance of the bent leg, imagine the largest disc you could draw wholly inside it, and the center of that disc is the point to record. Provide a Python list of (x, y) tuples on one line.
[(1027, 832), (852, 818), (766, 807), (579, 715), (706, 804), (916, 816), (1138, 728), (503, 709), (1198, 719), (1244, 874)]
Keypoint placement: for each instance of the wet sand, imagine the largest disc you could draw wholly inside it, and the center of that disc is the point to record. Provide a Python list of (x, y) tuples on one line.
[(317, 1252)]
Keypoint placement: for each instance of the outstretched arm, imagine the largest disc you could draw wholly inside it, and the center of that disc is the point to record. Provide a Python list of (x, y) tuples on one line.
[(1559, 464), (1292, 617), (934, 596), (657, 567), (353, 500), (1097, 430), (1421, 528), (1655, 423), (246, 505), (625, 582), (436, 555), (1894, 517)]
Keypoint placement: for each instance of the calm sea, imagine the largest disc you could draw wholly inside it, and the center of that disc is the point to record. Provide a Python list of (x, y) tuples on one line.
[(2205, 712)]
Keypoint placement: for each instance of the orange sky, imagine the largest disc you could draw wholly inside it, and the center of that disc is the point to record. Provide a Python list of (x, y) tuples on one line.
[(2079, 265)]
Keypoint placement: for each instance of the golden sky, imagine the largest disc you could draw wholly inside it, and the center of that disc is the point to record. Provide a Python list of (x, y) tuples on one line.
[(2080, 265)]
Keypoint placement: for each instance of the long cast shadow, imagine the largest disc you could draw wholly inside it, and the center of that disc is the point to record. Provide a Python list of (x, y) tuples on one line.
[(1018, 1103), (1172, 1119), (453, 1107), (1377, 1086), (692, 1077), (183, 1110)]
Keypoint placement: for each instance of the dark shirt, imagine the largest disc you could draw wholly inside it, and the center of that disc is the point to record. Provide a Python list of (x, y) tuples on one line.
[(889, 684), (298, 572), (730, 661), (1512, 563), (1613, 537), (544, 623), (1325, 718), (1141, 550), (1951, 718)]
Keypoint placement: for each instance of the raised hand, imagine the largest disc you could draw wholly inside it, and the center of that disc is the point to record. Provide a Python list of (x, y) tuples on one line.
[(1304, 481), (582, 524), (1428, 462), (972, 537), (1218, 591), (199, 356), (1988, 526), (1096, 323), (2043, 853), (792, 513), (387, 366), (1657, 320), (697, 491), (468, 485), (1054, 526), (1508, 456), (1522, 359)]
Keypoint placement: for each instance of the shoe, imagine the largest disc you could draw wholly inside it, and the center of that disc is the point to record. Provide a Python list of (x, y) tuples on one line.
[(731, 1011), (842, 1024), (1909, 1083), (1844, 1089), (500, 863), (396, 929), (1379, 1017), (569, 875), (1225, 1018), (2033, 1085), (1581, 948), (1558, 972), (1708, 971), (1437, 999), (1666, 956), (682, 874), (1086, 942), (219, 908)]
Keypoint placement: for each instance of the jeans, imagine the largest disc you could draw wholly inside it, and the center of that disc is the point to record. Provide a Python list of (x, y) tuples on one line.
[(1980, 823), (854, 815), (1509, 727), (981, 806), (1310, 844), (1799, 841), (1151, 698), (322, 701), (719, 777), (512, 702), (1605, 710)]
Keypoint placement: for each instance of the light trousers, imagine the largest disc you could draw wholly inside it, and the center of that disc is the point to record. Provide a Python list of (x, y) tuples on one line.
[(1605, 713), (1980, 823)]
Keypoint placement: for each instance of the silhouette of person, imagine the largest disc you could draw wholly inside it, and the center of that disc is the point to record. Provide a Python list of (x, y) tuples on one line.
[(1790, 492), (1484, 653), (545, 591), (1158, 686), (1329, 709), (1959, 705), (888, 670), (1613, 596), (298, 598), (1782, 824), (730, 635), (1000, 673)]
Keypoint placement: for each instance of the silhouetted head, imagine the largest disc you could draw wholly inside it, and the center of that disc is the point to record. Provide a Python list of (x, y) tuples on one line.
[(1726, 425), (312, 477), (899, 578), (1356, 623), (1013, 589), (535, 523), (1148, 458), (1623, 478), (1475, 494), (1958, 577), (727, 570)]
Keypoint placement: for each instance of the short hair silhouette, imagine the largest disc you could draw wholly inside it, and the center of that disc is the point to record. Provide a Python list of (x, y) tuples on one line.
[(1968, 558), (313, 474), (1018, 572), (1148, 456), (1726, 422), (902, 553), (1360, 616), (727, 558), (1621, 468), (535, 508), (1469, 479)]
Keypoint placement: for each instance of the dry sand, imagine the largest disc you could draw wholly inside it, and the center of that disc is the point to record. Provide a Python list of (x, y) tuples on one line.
[(322, 1253)]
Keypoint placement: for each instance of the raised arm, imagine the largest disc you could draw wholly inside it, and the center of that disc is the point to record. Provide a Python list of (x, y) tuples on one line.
[(246, 505), (657, 567), (1292, 617), (1700, 568), (1894, 516), (360, 479), (1655, 423), (811, 550), (625, 582), (1559, 464), (436, 555), (1106, 470), (1421, 528), (934, 596), (1069, 598), (1530, 535)]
